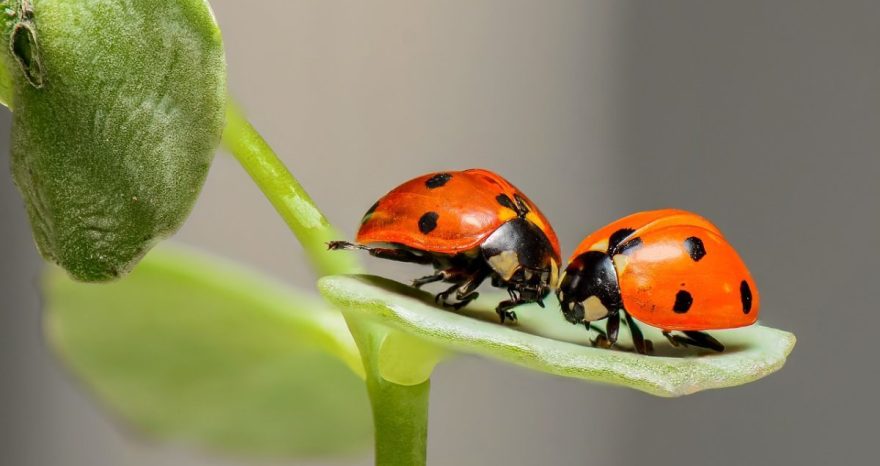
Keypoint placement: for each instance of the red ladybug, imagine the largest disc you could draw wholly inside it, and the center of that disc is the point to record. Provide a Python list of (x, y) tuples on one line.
[(670, 269), (470, 225)]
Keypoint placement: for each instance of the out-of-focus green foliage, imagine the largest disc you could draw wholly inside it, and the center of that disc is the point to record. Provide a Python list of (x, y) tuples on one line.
[(190, 349)]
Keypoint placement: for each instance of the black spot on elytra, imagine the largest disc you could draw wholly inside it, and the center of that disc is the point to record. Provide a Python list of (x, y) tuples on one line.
[(694, 247), (683, 302), (615, 239), (369, 212), (437, 180), (505, 201), (428, 222), (745, 295)]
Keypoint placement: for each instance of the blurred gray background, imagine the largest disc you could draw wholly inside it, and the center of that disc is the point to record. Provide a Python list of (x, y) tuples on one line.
[(763, 116)]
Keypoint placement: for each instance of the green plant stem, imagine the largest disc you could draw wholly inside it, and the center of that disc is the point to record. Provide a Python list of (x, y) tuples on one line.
[(286, 194), (400, 412)]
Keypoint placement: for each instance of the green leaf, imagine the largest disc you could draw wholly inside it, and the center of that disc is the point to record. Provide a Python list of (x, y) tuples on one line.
[(194, 350), (119, 106), (544, 341)]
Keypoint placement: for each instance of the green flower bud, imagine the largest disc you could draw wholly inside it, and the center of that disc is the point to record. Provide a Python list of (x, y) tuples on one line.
[(119, 107)]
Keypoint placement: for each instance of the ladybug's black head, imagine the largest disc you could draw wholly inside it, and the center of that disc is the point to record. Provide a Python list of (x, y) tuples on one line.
[(521, 257), (589, 289)]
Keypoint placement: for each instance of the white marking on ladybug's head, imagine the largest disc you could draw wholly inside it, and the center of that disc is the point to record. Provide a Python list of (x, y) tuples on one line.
[(505, 264), (594, 309), (554, 275)]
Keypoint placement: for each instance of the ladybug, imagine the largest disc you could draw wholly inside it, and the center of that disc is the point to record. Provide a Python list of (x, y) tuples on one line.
[(470, 225), (669, 269)]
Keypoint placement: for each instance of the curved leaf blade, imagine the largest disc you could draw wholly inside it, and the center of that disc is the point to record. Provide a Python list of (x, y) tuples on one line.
[(194, 350), (543, 340)]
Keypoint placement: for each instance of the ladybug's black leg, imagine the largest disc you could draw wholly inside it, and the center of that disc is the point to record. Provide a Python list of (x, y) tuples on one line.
[(704, 340), (439, 276), (692, 338), (612, 327), (465, 291), (464, 299), (520, 293), (443, 296), (399, 255), (607, 338), (638, 339), (590, 327), (504, 308)]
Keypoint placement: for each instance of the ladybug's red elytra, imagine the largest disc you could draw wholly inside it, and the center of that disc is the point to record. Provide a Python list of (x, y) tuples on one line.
[(669, 269), (470, 225)]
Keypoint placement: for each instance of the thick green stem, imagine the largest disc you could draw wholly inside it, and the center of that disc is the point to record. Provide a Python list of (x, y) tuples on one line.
[(400, 412), (400, 417), (287, 196)]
